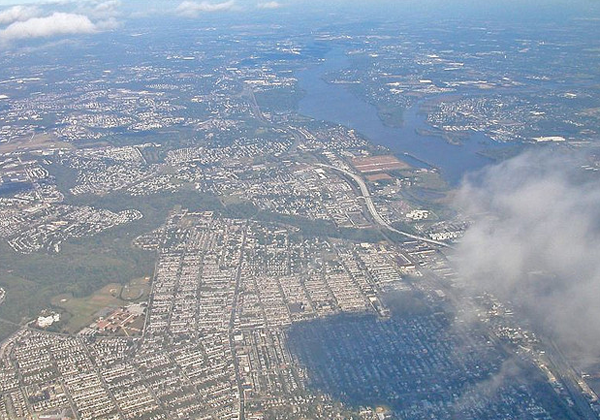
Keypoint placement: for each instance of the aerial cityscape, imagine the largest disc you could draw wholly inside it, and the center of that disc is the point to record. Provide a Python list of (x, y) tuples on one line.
[(299, 210)]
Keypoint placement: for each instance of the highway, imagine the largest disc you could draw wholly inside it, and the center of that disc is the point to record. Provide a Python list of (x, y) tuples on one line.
[(371, 207), (570, 378), (361, 184)]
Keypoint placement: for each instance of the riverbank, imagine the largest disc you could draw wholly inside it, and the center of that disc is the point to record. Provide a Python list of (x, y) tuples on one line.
[(337, 104)]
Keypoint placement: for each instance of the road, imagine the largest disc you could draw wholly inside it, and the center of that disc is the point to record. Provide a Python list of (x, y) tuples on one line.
[(371, 207), (569, 377), (255, 109), (234, 309), (361, 184)]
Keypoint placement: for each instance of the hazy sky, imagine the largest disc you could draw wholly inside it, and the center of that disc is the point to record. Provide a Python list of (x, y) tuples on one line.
[(169, 4), (98, 11), (122, 10)]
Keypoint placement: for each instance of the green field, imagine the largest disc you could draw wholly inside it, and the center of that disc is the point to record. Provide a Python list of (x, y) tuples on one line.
[(82, 311)]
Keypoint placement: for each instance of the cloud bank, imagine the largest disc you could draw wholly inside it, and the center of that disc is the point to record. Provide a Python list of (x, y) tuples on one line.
[(102, 10), (535, 241), (194, 9), (17, 14), (269, 5), (58, 18), (55, 24)]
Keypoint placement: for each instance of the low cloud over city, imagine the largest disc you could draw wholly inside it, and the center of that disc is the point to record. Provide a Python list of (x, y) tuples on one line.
[(57, 19), (17, 13), (193, 9), (535, 240), (55, 24), (269, 5)]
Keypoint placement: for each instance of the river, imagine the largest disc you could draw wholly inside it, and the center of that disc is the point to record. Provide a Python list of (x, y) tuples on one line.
[(334, 103)]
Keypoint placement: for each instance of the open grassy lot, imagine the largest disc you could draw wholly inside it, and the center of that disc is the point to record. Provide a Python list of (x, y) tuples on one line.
[(84, 310), (37, 142)]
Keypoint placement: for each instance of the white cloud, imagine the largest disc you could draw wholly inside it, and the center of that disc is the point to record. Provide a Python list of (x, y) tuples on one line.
[(193, 9), (269, 5), (17, 14), (104, 10), (55, 24), (535, 240), (108, 24)]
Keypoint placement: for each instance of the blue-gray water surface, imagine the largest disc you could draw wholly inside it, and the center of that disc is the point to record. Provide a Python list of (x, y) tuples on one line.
[(334, 103)]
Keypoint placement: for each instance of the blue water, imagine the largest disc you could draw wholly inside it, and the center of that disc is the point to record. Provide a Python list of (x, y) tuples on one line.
[(334, 103)]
